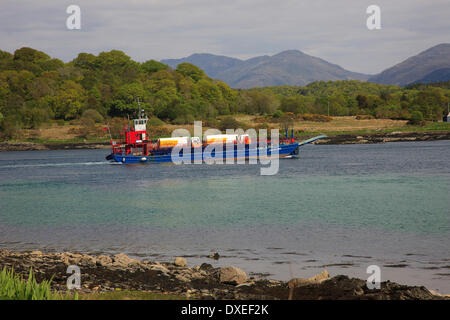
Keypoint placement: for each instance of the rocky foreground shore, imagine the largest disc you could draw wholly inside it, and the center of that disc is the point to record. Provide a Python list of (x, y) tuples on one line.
[(100, 273)]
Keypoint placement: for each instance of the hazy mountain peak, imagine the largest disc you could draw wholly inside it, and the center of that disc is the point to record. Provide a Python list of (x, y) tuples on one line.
[(212, 64), (289, 67), (416, 67), (440, 46), (208, 55), (291, 52)]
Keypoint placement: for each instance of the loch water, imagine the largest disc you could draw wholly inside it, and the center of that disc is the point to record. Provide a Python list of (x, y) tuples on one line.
[(336, 207)]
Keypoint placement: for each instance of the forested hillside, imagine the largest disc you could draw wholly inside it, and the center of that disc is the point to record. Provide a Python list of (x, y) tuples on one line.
[(35, 88), (352, 97)]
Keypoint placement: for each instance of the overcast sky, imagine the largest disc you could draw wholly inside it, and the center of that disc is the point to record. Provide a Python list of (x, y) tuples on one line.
[(334, 30)]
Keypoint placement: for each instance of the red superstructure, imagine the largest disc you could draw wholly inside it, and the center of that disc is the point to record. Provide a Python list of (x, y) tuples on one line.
[(137, 141)]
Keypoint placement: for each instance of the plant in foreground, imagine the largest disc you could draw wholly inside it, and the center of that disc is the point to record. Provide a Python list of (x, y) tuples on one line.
[(14, 287)]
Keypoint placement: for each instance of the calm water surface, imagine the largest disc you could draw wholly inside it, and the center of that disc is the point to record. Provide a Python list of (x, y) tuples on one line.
[(342, 208)]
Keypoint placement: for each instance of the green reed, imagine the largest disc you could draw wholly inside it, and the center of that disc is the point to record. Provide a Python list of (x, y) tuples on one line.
[(14, 287)]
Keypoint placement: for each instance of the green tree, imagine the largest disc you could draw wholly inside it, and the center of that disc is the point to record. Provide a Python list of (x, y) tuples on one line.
[(69, 100), (126, 99), (262, 102), (6, 60), (116, 67), (416, 118), (182, 113), (338, 105), (209, 91), (34, 61), (85, 61), (191, 71), (18, 81), (432, 103), (11, 126), (35, 116), (93, 115), (165, 101), (152, 66), (277, 114), (41, 87), (362, 101)]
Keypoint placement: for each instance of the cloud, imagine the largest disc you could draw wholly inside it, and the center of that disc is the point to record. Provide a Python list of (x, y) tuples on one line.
[(155, 29)]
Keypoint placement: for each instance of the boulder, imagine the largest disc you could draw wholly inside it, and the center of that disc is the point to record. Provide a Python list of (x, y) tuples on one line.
[(318, 278), (71, 258), (103, 260), (159, 267), (231, 275), (122, 260), (183, 277), (324, 275), (88, 260), (180, 262)]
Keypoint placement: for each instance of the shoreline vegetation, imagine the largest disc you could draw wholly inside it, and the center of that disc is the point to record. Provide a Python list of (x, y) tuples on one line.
[(340, 130), (121, 277), (332, 139)]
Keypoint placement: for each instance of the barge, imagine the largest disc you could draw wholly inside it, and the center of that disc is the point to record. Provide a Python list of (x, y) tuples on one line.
[(137, 147)]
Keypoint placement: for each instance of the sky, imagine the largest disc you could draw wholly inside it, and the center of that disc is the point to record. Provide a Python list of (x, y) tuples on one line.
[(334, 30)]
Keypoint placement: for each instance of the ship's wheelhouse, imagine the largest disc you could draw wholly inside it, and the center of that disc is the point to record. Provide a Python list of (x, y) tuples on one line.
[(136, 140)]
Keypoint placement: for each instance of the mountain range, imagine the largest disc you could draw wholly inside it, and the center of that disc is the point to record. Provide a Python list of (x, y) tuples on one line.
[(293, 67), (427, 66)]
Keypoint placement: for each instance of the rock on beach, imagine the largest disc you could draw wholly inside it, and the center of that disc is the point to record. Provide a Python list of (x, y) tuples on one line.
[(232, 275)]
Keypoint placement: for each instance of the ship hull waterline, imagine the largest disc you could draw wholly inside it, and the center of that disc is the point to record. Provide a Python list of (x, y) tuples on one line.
[(165, 156)]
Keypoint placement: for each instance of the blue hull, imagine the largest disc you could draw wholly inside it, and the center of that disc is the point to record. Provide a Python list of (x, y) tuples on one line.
[(165, 156)]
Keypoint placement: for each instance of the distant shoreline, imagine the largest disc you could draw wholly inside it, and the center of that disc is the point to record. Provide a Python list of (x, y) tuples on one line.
[(333, 139), (32, 146), (385, 137)]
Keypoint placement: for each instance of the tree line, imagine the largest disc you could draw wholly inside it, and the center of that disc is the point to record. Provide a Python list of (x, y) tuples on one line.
[(35, 89), (352, 97)]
